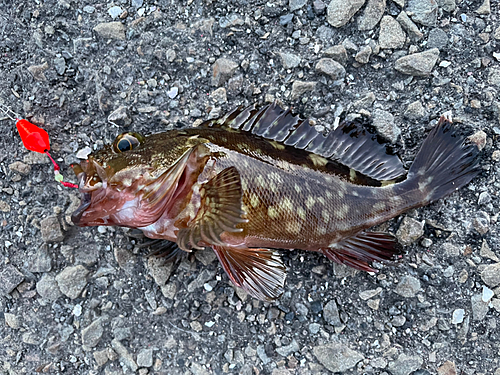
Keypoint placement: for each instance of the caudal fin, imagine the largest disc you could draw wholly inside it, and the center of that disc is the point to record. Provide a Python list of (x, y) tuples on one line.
[(445, 163)]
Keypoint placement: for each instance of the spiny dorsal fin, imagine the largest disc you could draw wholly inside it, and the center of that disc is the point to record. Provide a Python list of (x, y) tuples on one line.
[(220, 212), (350, 144)]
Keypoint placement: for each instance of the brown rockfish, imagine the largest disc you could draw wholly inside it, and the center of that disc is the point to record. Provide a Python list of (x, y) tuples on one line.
[(257, 180)]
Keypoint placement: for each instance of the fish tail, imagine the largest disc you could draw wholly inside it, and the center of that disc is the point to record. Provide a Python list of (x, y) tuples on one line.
[(446, 162)]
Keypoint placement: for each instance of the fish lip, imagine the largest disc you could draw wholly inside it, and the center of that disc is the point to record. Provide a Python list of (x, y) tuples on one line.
[(85, 197)]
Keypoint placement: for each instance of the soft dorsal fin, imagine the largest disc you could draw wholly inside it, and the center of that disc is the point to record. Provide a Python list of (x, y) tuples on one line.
[(350, 143)]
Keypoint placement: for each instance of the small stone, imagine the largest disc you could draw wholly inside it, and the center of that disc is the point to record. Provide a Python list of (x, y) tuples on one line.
[(319, 6), (92, 334), (494, 76), (365, 102), (84, 153), (219, 95), (447, 368), (20, 167), (408, 287), (42, 261), (296, 4), (145, 358), (458, 316), (447, 5), (285, 351), (331, 314), (72, 280), (481, 222), (487, 294), (337, 357), (485, 8), (125, 356), (196, 326), (372, 14), (222, 70), (373, 303), (379, 362), (4, 206), (200, 280), (11, 320), (51, 229), (60, 65), (491, 275), (367, 294), (111, 30), (398, 321), (89, 9), (115, 12), (415, 111), (479, 307), (437, 39), (37, 71), (339, 12), (391, 34), (47, 288), (413, 32), (289, 60), (418, 64), (479, 139), (486, 252), (424, 12), (299, 88), (120, 117), (338, 53), (10, 278), (363, 56), (496, 155), (383, 121), (405, 364), (410, 231), (331, 68), (484, 198), (314, 328), (101, 357)]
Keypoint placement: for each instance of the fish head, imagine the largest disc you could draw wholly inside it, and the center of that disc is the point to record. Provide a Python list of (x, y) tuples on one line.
[(131, 182)]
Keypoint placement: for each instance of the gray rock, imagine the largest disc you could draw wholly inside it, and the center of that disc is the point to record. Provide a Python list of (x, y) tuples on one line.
[(89, 9), (372, 14), (51, 229), (413, 32), (145, 358), (424, 11), (491, 275), (137, 3), (206, 257), (314, 328), (48, 288), (437, 39), (330, 68), (20, 167), (319, 6), (415, 111), (38, 71), (4, 207), (338, 53), (222, 70), (10, 278), (331, 314), (261, 353), (296, 4), (486, 252), (391, 34), (231, 20), (418, 64), (60, 65), (485, 8), (337, 357), (339, 12), (285, 351), (481, 222), (458, 316), (219, 95), (41, 261), (299, 88), (201, 279), (125, 356), (479, 307), (120, 117), (494, 76), (111, 30), (159, 270), (115, 11), (11, 320), (384, 123), (72, 280), (92, 334), (405, 364), (365, 102), (363, 56), (398, 320), (408, 287), (447, 5), (289, 60)]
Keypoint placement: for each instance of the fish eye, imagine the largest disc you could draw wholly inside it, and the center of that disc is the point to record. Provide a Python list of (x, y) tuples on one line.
[(127, 141)]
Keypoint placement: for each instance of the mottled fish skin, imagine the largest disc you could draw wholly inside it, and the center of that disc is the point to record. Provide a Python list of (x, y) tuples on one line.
[(246, 192)]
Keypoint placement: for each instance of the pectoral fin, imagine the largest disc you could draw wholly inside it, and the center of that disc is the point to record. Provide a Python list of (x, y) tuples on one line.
[(363, 248), (220, 211), (260, 272)]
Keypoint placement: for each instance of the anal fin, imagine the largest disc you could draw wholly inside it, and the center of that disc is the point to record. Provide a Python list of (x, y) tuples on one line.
[(363, 248), (260, 272), (167, 250)]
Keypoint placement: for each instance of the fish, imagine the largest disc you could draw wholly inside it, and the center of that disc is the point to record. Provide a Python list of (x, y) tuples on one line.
[(261, 180)]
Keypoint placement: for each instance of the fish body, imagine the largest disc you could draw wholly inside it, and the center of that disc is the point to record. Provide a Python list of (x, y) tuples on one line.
[(258, 180)]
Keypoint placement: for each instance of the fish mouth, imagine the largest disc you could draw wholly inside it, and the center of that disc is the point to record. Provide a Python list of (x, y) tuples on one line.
[(85, 196)]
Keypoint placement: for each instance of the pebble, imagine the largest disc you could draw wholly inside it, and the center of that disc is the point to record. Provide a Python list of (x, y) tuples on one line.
[(299, 88), (479, 307), (20, 167), (120, 117), (448, 5), (413, 32), (363, 56), (4, 206), (51, 229), (367, 294), (60, 65), (125, 356), (410, 231), (408, 287), (289, 60), (479, 139), (92, 334), (485, 8), (331, 314), (338, 53), (38, 71), (48, 288), (398, 320), (222, 70), (405, 364), (418, 64), (494, 76), (137, 3), (373, 303), (437, 39), (415, 111), (314, 328), (372, 14), (72, 280), (487, 294), (481, 222), (285, 351), (10, 278), (41, 261), (486, 252), (11, 320), (111, 30), (331, 68), (424, 12), (296, 4), (383, 121), (391, 34), (84, 153), (366, 101), (145, 358), (447, 368), (89, 9), (200, 280), (219, 95), (458, 316), (115, 12), (337, 357), (339, 12), (484, 198), (491, 275)]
